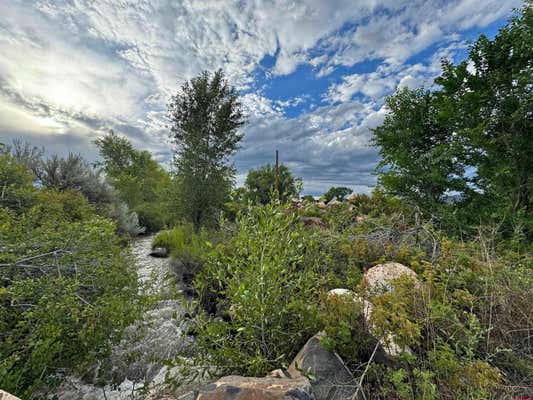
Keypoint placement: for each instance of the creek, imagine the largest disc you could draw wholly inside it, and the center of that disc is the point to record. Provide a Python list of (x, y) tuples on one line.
[(136, 365)]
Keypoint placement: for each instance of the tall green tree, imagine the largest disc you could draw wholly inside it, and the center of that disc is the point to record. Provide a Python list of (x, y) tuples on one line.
[(490, 94), (419, 153), (471, 136), (139, 180), (206, 115), (260, 184)]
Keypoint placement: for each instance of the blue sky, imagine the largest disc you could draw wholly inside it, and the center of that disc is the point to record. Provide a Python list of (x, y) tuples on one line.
[(313, 74)]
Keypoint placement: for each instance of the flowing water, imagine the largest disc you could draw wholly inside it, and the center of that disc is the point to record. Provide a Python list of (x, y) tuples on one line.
[(136, 364)]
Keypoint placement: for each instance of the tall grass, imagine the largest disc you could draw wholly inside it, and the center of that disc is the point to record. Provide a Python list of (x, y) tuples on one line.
[(183, 243)]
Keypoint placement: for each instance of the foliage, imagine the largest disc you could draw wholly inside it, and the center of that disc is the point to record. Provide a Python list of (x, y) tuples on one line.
[(74, 173), (205, 115), (64, 174), (67, 288), (260, 184), (141, 183), (492, 88), (267, 284), (184, 244), (419, 156), (466, 325), (15, 184), (337, 192), (463, 152)]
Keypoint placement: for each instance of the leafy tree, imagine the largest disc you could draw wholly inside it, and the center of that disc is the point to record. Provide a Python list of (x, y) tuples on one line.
[(260, 184), (206, 115), (139, 180), (419, 153), (490, 96), (337, 192), (469, 139)]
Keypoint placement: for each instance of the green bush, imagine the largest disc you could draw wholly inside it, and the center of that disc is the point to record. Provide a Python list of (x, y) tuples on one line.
[(184, 244), (267, 286), (67, 290)]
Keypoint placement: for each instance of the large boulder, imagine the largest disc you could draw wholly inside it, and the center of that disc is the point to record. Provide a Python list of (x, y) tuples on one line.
[(330, 378), (333, 202), (314, 222), (7, 396), (379, 279), (243, 388)]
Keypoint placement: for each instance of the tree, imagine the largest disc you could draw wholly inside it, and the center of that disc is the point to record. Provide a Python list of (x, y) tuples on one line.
[(337, 192), (141, 183), (490, 95), (260, 184), (420, 157), (205, 114), (470, 138)]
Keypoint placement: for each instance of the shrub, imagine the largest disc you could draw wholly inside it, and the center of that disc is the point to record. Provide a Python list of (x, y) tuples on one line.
[(67, 290), (184, 244), (267, 286)]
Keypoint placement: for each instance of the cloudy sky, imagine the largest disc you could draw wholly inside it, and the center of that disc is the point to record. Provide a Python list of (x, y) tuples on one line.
[(313, 74)]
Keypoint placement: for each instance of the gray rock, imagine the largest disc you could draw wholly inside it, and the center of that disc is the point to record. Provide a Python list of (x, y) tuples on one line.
[(330, 378), (159, 252)]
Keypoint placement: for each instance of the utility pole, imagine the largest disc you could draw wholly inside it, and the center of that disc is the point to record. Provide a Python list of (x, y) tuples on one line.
[(276, 175)]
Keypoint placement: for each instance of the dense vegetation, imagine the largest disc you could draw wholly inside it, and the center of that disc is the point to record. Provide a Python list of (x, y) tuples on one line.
[(453, 204), (469, 139), (67, 287), (139, 180)]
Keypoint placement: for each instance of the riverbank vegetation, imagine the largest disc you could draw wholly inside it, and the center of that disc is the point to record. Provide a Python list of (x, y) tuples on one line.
[(453, 204)]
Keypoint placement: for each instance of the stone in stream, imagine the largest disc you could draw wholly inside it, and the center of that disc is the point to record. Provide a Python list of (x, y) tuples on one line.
[(159, 252)]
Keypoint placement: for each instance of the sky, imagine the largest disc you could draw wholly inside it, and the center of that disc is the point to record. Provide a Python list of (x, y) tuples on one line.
[(313, 75)]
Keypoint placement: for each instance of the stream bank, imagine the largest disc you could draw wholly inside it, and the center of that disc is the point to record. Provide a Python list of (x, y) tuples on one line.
[(136, 365)]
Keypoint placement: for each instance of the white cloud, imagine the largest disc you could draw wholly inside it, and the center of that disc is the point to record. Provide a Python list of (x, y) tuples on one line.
[(71, 69)]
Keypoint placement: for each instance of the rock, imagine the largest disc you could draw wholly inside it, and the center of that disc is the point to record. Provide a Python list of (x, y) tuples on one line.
[(333, 202), (352, 197), (321, 205), (269, 388), (378, 279), (314, 222), (159, 252), (361, 218), (389, 347), (7, 396), (330, 378)]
